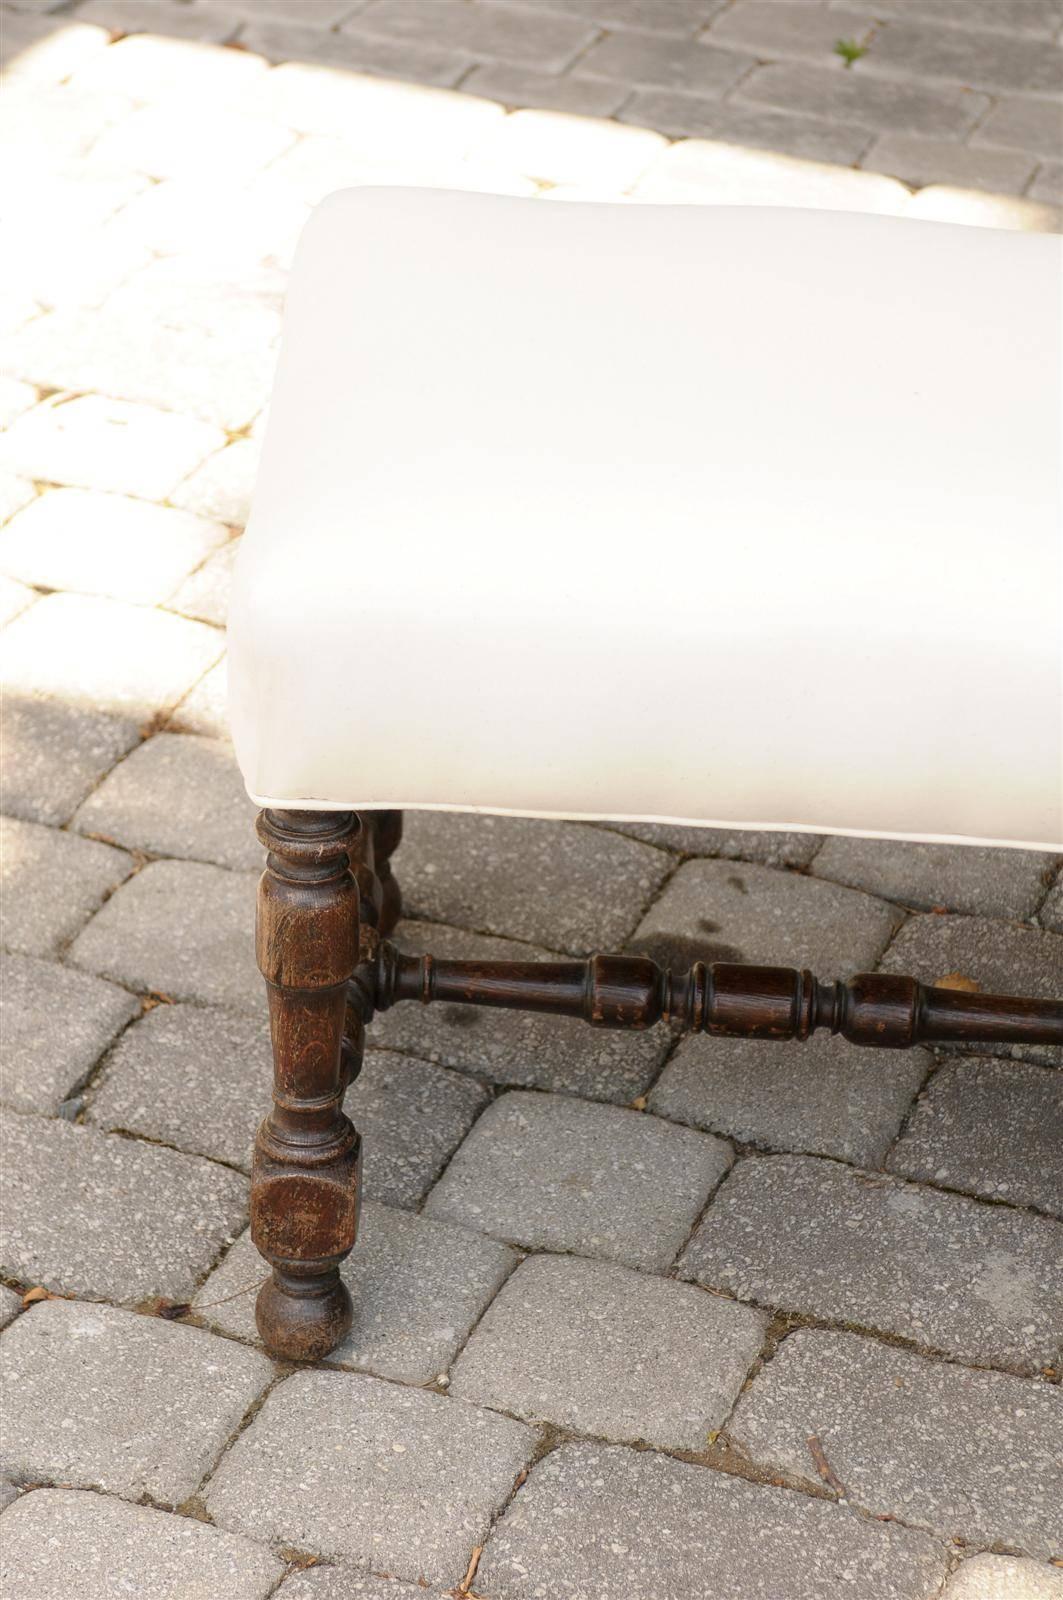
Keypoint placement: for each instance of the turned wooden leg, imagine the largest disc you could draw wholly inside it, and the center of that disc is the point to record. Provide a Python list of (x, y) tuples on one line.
[(387, 827), (305, 1182)]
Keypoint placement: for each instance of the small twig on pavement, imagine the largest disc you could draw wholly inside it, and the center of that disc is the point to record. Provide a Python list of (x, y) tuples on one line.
[(466, 1583), (207, 1305), (824, 1468)]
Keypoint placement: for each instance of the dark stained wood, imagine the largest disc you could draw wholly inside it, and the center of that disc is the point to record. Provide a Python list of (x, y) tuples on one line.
[(328, 899), (387, 829), (305, 1181), (739, 1001)]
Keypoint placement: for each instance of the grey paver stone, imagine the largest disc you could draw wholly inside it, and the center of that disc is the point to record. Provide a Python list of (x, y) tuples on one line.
[(64, 262), (177, 795), (976, 1281), (982, 1459), (974, 208), (54, 1026), (106, 544), (637, 1523), (52, 883), (772, 28), (1051, 913), (682, 17), (522, 1049), (554, 1173), (156, 16), (64, 123), (556, 147), (412, 1116), (359, 51), (769, 849), (216, 368), (371, 114), (10, 1305), (205, 594), (39, 51), (550, 41), (600, 1349), (559, 884), (1020, 16), (825, 1096), (1048, 184), (688, 115), (196, 1079), (14, 598), (719, 172), (54, 754), (970, 878), (920, 161), (147, 67), (895, 106), (99, 1398), (182, 929), (1001, 957), (343, 1583), (104, 655), (514, 85), (15, 397), (221, 145), (321, 163), (313, 13), (418, 1287), (95, 442), (966, 56), (1027, 124), (17, 308), (733, 911), (106, 252), (215, 239), (15, 492), (988, 1577), (8, 1496), (205, 709), (667, 63), (397, 1480), (994, 1128), (59, 1541), (92, 1214), (221, 486)]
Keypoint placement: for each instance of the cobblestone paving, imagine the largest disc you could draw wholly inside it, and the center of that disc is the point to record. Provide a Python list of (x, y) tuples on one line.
[(641, 1319)]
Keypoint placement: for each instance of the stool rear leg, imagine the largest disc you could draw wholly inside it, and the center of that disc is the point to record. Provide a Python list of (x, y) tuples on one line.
[(387, 826), (305, 1182)]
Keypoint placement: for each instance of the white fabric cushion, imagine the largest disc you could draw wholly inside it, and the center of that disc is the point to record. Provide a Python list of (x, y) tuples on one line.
[(737, 516)]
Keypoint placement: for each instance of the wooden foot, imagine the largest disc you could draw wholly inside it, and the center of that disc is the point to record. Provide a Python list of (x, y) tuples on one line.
[(305, 1181)]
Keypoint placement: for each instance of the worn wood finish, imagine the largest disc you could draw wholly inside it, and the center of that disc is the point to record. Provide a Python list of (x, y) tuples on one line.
[(734, 1000), (328, 899), (387, 828), (305, 1181)]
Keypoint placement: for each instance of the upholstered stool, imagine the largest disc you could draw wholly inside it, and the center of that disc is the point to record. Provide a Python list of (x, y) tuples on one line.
[(729, 516)]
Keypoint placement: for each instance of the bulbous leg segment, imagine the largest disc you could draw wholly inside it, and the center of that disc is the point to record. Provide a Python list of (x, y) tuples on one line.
[(302, 1319), (305, 1221)]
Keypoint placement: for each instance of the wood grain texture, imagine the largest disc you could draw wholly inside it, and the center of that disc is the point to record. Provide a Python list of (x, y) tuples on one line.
[(728, 999), (305, 1179)]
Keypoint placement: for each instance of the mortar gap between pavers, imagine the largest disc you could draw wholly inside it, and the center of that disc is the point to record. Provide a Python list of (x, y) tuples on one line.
[(132, 1137), (286, 1369)]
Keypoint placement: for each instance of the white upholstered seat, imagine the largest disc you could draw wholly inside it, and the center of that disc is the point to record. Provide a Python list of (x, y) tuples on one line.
[(741, 516)]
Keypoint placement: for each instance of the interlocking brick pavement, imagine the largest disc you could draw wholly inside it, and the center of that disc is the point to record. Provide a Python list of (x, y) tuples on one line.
[(871, 1240)]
